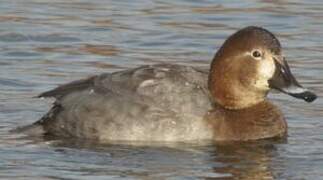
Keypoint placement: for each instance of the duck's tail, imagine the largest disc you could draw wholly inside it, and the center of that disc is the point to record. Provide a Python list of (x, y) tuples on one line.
[(35, 129), (38, 128)]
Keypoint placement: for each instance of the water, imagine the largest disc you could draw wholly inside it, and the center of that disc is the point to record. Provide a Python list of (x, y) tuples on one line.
[(44, 43)]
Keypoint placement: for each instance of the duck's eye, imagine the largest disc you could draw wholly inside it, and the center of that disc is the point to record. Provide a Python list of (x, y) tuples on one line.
[(256, 54)]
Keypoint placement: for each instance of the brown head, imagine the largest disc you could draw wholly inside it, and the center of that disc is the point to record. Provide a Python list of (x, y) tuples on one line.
[(247, 66)]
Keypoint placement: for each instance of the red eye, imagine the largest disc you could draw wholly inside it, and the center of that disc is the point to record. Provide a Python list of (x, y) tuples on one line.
[(256, 54)]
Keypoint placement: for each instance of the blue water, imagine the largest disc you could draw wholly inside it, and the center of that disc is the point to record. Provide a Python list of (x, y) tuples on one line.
[(46, 43)]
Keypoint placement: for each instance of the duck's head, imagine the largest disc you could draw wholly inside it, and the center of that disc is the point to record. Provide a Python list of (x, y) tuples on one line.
[(247, 66)]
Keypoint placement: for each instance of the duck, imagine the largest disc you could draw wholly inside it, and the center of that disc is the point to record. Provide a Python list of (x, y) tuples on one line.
[(179, 103)]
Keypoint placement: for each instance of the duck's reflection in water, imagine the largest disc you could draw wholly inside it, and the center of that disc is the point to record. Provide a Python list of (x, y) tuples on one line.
[(231, 160), (252, 160)]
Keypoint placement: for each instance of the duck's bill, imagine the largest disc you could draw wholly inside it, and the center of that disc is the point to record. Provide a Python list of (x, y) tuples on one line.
[(299, 92), (284, 81)]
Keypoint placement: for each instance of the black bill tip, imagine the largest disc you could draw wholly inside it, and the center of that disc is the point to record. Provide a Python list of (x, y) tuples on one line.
[(306, 96)]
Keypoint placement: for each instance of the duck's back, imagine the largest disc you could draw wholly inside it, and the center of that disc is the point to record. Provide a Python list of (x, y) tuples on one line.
[(157, 103)]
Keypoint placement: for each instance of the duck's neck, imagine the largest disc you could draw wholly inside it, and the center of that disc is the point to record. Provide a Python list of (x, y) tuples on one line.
[(230, 89)]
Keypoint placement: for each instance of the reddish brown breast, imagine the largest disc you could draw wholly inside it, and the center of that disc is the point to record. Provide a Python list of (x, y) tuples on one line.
[(261, 121)]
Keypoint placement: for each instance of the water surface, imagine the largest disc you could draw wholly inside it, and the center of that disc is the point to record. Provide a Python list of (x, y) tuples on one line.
[(46, 43)]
